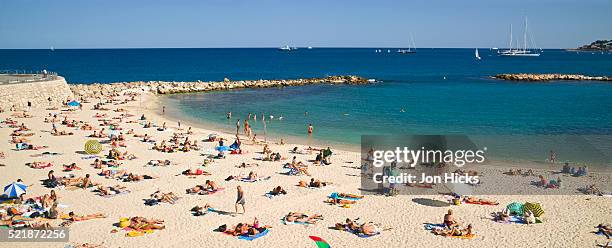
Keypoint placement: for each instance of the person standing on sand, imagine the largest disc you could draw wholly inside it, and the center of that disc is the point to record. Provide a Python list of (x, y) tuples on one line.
[(310, 128), (240, 199), (163, 110)]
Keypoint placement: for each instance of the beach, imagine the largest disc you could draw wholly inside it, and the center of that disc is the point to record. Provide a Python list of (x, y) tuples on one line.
[(569, 220)]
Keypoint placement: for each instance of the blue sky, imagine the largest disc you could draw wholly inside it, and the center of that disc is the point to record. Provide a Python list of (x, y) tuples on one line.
[(272, 23)]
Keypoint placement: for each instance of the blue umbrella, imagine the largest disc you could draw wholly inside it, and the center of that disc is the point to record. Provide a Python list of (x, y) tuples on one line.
[(74, 104), (14, 189)]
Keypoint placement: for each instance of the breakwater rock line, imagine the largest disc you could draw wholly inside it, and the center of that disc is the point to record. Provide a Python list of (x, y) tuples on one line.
[(550, 77), (163, 87)]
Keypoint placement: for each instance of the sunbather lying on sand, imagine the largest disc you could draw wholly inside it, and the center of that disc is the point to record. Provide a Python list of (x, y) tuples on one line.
[(112, 174), (476, 200), (73, 217), (368, 228), (136, 178), (278, 190), (165, 197), (302, 218), (198, 211), (335, 201), (197, 172), (71, 167), (244, 165), (605, 229), (111, 190), (159, 162), (244, 229), (141, 223), (454, 231), (39, 165), (55, 132)]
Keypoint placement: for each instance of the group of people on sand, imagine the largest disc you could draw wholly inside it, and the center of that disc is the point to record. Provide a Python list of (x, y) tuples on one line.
[(68, 181), (452, 227), (244, 229), (577, 172), (175, 145)]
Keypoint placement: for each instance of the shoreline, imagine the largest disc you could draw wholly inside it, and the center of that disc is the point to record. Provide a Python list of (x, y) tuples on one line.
[(154, 105)]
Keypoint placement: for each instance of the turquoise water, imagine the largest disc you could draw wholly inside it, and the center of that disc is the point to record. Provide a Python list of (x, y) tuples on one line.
[(442, 91)]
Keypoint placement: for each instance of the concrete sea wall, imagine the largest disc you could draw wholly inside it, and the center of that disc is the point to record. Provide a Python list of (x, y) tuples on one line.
[(37, 93)]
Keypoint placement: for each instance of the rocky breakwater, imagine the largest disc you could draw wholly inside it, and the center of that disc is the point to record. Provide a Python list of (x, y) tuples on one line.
[(550, 77), (162, 88)]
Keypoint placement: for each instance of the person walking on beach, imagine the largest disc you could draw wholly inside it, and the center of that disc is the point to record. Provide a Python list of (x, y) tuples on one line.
[(246, 128), (237, 127), (552, 157), (240, 199), (310, 128), (163, 110), (29, 106)]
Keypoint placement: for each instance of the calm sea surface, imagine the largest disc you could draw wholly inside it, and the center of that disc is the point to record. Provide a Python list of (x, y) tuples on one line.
[(435, 91)]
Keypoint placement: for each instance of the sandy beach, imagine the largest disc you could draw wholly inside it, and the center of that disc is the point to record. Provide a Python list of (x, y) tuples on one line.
[(568, 221)]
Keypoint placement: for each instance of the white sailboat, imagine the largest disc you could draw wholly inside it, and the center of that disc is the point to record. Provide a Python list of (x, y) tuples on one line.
[(285, 48), (410, 49), (522, 52), (476, 54)]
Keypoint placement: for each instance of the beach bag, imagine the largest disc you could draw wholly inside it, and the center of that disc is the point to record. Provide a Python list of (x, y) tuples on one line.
[(515, 208), (535, 208)]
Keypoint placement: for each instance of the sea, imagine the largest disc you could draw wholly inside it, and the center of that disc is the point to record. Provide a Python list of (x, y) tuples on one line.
[(434, 91)]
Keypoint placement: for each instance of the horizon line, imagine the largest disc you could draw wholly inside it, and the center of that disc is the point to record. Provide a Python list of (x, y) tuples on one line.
[(262, 47)]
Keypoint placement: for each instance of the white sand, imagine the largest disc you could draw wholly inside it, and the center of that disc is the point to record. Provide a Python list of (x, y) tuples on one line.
[(568, 220)]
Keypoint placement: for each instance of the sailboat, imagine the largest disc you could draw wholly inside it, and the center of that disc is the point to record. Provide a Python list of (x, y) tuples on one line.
[(286, 48), (409, 50), (476, 54), (524, 51)]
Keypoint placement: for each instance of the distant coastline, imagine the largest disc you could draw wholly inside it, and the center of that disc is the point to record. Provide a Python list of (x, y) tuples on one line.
[(598, 45)]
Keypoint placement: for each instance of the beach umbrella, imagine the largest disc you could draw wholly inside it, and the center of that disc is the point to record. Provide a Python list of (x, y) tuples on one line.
[(74, 104), (535, 208), (93, 147), (515, 208), (15, 189)]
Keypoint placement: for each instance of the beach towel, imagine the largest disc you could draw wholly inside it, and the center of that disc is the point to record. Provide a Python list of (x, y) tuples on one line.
[(467, 236), (210, 192), (363, 235), (120, 193), (335, 195), (253, 237), (247, 180), (295, 222), (519, 220), (222, 148), (431, 226)]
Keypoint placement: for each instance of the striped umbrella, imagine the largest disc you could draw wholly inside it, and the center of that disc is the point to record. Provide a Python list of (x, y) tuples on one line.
[(535, 208), (15, 189)]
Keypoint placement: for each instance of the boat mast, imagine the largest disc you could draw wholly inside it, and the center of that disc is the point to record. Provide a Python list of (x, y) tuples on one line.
[(525, 36), (510, 45)]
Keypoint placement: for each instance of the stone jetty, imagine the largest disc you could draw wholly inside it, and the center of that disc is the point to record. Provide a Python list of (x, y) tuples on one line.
[(162, 87), (550, 77)]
